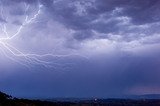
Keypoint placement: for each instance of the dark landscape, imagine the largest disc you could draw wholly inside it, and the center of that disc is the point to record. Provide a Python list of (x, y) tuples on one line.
[(7, 100)]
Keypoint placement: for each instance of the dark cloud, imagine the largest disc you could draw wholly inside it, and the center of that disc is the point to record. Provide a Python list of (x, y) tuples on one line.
[(143, 12), (96, 26), (104, 16), (140, 12), (81, 35)]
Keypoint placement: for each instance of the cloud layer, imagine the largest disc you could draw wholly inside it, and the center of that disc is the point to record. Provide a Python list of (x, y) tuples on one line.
[(113, 47)]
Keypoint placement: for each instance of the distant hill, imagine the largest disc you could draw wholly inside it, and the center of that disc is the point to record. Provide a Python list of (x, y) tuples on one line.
[(7, 100), (147, 96), (151, 96)]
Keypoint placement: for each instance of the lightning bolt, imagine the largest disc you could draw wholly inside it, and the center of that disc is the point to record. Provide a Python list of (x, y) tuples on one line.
[(17, 55)]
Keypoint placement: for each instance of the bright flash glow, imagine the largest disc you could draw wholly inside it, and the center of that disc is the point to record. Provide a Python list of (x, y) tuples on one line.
[(17, 55)]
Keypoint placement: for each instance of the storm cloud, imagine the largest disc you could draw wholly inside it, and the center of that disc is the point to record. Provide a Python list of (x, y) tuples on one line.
[(109, 48)]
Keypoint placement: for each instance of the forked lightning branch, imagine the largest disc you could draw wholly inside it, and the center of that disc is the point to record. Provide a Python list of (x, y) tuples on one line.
[(17, 55)]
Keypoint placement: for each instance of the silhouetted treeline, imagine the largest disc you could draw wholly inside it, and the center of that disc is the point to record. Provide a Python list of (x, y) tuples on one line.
[(7, 100)]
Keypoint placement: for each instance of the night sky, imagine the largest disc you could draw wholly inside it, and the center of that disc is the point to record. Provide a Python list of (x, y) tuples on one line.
[(79, 48)]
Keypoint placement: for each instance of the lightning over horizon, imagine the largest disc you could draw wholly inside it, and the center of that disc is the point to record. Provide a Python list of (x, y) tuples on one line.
[(79, 48)]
